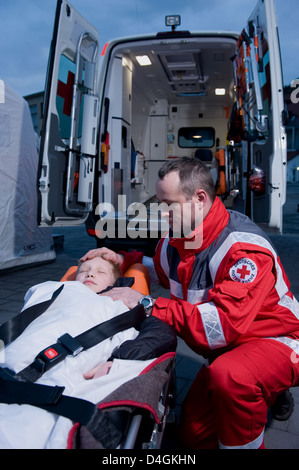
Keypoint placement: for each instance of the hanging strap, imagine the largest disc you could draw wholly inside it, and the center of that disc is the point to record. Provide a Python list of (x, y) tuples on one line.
[(51, 399)]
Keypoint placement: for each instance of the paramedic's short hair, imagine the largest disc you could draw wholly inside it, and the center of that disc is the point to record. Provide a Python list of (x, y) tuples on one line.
[(193, 175)]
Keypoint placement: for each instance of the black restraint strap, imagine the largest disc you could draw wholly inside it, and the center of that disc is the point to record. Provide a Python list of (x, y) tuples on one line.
[(10, 330), (51, 399), (67, 345), (110, 327)]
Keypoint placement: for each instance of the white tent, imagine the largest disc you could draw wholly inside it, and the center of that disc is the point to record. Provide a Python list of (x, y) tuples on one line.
[(22, 242)]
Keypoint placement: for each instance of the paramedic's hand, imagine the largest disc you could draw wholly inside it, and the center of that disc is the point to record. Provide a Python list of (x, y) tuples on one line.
[(98, 371), (106, 254), (129, 296)]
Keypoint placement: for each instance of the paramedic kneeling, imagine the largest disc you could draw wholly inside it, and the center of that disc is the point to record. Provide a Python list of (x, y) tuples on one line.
[(230, 302)]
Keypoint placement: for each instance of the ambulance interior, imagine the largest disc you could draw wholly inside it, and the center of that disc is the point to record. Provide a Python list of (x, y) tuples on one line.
[(215, 96), (175, 99)]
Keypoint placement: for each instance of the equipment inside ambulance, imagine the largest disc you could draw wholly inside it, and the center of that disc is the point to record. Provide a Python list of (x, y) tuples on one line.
[(111, 122)]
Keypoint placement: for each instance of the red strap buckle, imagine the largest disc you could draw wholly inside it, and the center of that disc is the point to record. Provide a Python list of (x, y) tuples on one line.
[(50, 353)]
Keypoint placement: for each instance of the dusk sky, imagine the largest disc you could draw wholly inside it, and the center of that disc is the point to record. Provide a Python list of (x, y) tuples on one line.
[(27, 26)]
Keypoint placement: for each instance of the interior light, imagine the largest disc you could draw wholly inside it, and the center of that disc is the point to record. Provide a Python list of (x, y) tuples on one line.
[(197, 136), (219, 91), (143, 60)]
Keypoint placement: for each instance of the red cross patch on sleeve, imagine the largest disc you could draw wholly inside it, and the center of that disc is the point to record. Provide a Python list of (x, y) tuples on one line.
[(244, 270)]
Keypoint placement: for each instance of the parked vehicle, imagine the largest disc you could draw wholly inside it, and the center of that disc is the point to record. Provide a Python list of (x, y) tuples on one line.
[(110, 123)]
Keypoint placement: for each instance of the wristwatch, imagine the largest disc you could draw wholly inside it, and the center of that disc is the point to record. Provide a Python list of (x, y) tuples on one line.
[(148, 302)]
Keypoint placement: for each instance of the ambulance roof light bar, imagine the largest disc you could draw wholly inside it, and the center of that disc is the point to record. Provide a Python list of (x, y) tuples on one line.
[(173, 21)]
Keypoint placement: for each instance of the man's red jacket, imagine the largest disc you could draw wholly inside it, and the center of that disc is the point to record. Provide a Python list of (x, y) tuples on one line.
[(227, 285)]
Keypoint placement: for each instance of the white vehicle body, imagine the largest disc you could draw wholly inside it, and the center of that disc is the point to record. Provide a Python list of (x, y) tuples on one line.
[(216, 96)]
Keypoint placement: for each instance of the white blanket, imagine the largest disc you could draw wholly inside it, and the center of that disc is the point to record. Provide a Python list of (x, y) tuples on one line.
[(75, 310)]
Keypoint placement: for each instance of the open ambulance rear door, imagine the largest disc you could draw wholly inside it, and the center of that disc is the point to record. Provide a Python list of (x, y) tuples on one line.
[(71, 109), (69, 159), (260, 102)]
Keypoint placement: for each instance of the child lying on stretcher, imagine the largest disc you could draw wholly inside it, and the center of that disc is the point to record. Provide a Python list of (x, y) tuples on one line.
[(97, 274), (76, 309)]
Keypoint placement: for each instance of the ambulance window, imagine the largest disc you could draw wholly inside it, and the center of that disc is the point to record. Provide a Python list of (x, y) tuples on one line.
[(64, 97), (196, 137)]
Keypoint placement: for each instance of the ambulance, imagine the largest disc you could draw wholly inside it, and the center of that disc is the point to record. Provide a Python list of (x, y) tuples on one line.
[(114, 114)]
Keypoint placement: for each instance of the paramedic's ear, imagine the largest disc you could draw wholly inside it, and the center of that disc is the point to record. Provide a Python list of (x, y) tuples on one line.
[(203, 200), (201, 196)]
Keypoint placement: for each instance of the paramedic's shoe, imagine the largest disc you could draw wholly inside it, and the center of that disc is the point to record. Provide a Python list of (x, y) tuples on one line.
[(283, 407)]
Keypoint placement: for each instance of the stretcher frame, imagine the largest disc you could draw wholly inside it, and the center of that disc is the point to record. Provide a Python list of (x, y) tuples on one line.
[(134, 440)]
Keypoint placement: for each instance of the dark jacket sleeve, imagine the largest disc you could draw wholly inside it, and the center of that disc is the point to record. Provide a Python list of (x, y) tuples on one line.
[(155, 338)]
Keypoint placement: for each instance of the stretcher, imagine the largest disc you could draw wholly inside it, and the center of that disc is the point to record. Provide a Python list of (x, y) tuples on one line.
[(135, 412)]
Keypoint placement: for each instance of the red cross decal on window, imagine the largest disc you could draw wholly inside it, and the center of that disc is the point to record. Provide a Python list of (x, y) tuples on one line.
[(243, 272), (65, 91)]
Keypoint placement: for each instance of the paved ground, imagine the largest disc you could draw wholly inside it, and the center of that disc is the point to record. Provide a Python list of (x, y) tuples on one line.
[(13, 285)]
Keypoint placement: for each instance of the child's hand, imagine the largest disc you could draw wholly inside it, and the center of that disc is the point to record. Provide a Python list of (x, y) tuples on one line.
[(98, 371)]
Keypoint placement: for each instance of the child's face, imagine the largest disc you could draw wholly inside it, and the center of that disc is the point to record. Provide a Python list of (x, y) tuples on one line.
[(96, 273)]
